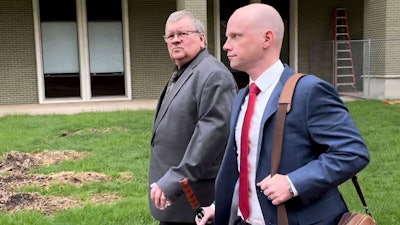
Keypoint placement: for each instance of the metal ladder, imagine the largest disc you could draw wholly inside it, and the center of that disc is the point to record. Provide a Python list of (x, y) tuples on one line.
[(344, 69)]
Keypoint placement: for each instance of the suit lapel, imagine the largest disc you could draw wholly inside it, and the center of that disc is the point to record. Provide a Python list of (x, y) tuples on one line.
[(165, 101), (236, 107), (270, 109), (272, 105)]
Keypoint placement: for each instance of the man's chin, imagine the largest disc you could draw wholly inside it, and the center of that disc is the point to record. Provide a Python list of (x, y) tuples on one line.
[(177, 51), (178, 56), (233, 65)]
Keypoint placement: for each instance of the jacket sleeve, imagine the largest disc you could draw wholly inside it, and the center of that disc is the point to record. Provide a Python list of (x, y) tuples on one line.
[(204, 152), (336, 143)]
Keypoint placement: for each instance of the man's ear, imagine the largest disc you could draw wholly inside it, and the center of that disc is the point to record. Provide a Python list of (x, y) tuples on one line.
[(268, 37), (203, 40)]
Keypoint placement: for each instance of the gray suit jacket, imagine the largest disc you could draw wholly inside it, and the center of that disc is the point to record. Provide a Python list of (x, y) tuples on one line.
[(190, 131)]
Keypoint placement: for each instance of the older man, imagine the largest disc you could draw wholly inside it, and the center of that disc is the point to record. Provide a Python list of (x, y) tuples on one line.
[(191, 124)]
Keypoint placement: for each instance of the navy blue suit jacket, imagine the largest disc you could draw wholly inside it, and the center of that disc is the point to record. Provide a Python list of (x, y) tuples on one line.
[(321, 149)]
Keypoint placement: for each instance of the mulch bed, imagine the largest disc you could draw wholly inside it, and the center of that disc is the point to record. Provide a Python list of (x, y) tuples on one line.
[(14, 175)]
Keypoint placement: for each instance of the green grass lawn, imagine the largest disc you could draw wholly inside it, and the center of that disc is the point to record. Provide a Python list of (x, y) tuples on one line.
[(119, 143), (380, 126)]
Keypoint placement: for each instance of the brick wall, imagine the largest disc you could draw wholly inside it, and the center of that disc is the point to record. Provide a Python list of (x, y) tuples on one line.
[(210, 27), (375, 21), (316, 25), (383, 22), (392, 32), (18, 79), (150, 63)]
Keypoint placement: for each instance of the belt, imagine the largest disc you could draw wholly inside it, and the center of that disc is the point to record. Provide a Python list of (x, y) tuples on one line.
[(241, 222)]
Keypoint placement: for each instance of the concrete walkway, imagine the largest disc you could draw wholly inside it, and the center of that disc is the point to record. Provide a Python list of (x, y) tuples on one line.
[(73, 108)]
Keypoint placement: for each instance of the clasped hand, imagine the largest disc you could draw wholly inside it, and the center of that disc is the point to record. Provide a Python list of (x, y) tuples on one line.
[(276, 188)]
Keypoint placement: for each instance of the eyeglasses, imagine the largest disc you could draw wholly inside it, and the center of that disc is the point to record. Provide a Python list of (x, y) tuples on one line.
[(180, 34)]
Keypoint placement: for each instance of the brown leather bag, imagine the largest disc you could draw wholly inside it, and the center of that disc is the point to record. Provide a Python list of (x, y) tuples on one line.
[(285, 102), (350, 218), (353, 218)]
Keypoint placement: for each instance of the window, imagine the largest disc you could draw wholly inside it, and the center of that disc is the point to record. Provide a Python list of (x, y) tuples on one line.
[(83, 49)]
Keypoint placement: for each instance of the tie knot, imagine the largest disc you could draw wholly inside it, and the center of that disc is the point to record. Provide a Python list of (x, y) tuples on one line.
[(254, 89), (174, 76)]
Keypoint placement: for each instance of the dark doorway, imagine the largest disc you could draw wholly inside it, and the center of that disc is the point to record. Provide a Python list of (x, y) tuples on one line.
[(227, 7), (283, 7)]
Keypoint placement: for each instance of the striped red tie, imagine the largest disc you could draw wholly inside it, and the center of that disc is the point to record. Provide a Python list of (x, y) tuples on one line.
[(244, 205)]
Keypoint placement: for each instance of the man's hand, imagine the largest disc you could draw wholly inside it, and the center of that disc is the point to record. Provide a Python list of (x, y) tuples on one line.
[(276, 188), (158, 196), (209, 213)]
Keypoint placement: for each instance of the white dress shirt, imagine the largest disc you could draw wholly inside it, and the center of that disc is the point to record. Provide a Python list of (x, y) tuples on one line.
[(266, 83)]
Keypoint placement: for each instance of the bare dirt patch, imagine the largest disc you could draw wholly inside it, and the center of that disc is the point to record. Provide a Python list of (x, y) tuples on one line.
[(15, 166)]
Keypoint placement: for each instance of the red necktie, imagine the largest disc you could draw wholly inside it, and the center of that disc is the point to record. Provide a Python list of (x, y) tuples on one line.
[(244, 205)]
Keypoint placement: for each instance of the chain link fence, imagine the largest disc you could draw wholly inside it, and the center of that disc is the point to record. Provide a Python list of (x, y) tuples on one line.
[(376, 67)]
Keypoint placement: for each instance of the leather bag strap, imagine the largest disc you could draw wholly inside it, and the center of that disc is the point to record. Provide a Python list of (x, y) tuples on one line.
[(285, 104), (360, 194)]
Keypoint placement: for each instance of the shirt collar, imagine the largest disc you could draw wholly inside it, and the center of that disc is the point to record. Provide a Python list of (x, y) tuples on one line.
[(269, 76)]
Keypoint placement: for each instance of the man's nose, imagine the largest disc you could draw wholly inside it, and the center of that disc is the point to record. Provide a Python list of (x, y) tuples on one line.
[(226, 46)]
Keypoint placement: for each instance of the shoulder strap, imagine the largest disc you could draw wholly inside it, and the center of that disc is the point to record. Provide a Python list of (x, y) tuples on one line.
[(285, 103), (288, 90)]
